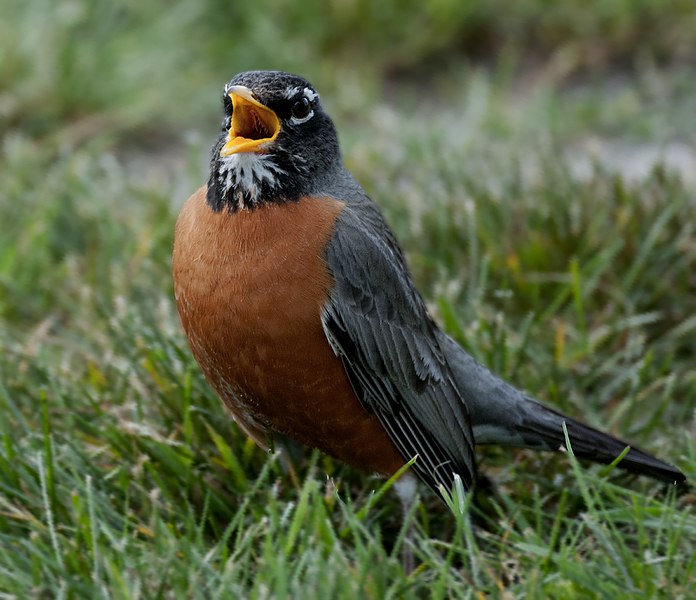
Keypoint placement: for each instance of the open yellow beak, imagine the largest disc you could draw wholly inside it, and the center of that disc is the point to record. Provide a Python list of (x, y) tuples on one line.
[(253, 124)]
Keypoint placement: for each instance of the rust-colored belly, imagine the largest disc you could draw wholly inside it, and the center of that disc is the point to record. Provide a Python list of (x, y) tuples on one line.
[(250, 287)]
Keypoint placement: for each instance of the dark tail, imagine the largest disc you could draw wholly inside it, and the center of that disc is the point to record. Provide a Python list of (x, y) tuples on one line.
[(591, 444), (501, 414)]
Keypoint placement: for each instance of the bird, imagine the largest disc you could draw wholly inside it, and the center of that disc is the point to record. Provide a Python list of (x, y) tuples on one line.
[(302, 314)]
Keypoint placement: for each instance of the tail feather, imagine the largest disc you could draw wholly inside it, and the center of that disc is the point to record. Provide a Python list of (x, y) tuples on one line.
[(591, 444), (501, 414)]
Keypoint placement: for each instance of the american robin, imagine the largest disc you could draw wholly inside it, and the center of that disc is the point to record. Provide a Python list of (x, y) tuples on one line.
[(301, 312)]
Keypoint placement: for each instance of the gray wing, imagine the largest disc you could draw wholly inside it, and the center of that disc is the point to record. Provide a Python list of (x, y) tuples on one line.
[(377, 323)]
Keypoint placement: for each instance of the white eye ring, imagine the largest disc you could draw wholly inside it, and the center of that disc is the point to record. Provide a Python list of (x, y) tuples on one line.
[(301, 111), (296, 121)]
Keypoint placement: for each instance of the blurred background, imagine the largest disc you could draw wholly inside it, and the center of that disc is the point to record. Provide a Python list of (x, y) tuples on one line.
[(147, 73), (536, 158)]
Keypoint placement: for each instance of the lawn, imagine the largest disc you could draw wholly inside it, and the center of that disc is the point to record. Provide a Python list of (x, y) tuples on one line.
[(536, 160)]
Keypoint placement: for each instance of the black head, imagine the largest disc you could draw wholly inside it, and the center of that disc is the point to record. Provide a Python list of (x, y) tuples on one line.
[(276, 142)]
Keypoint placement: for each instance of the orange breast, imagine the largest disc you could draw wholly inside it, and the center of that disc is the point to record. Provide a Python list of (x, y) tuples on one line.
[(250, 287)]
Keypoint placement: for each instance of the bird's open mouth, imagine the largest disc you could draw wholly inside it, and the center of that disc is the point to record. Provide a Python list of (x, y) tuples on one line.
[(253, 124)]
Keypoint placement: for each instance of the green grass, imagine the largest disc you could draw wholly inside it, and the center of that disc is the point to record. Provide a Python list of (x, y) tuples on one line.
[(120, 474)]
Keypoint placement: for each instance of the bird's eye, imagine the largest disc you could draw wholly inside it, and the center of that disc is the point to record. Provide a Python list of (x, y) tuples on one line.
[(301, 109)]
